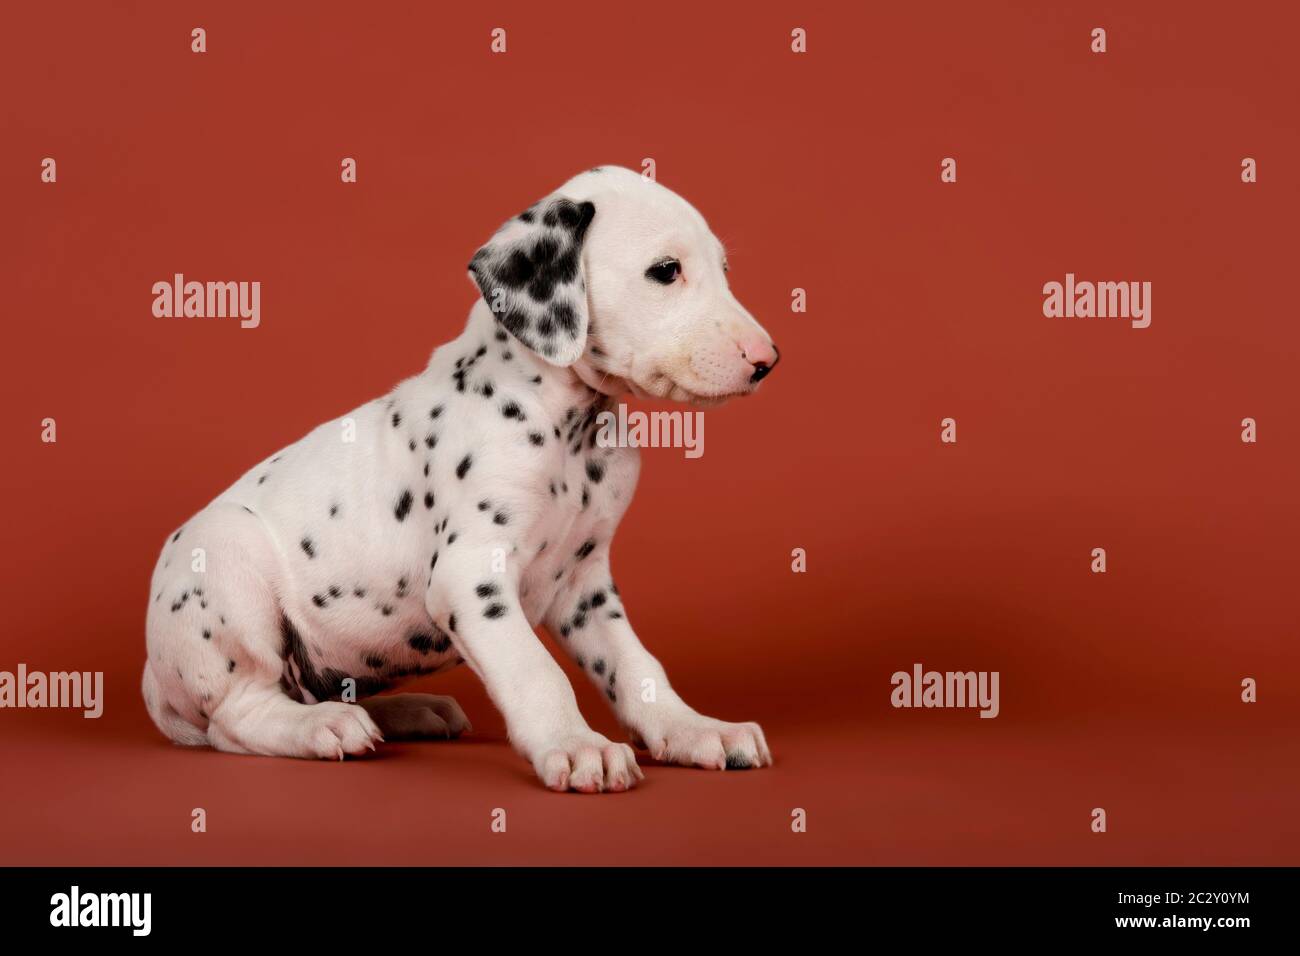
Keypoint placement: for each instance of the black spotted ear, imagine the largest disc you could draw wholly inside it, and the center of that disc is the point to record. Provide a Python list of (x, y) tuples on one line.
[(530, 272)]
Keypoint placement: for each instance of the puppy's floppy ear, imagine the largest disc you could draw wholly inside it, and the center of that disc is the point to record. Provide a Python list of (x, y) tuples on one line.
[(531, 274)]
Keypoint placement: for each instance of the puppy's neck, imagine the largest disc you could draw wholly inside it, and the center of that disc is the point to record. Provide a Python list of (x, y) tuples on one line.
[(577, 387), (610, 386)]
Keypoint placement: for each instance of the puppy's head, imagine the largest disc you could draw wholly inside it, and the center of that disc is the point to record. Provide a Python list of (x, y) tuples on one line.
[(621, 279)]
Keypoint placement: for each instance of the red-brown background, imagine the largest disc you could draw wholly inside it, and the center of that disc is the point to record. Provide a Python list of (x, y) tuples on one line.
[(819, 171)]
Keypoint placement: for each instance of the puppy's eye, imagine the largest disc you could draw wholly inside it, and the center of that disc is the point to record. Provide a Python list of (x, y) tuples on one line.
[(665, 273)]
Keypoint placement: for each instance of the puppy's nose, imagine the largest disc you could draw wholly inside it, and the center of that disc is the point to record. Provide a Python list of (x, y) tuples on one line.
[(758, 351), (763, 356)]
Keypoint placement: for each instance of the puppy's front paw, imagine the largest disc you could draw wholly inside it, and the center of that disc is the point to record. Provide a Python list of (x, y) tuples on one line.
[(589, 763), (697, 741)]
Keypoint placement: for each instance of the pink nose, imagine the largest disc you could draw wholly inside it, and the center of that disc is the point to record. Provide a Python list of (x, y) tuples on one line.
[(759, 352)]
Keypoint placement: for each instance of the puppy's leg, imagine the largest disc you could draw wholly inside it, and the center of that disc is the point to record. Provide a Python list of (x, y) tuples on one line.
[(218, 650), (261, 719), (590, 621), (487, 625), (413, 716)]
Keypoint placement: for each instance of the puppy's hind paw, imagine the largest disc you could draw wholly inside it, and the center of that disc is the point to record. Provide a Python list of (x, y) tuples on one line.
[(332, 730), (417, 716)]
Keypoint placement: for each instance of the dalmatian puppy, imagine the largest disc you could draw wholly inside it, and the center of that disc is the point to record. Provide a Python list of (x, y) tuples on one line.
[(443, 523)]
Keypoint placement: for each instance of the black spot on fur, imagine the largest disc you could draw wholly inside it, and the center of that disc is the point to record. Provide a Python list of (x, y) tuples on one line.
[(428, 500), (463, 468), (397, 419), (323, 685), (588, 546), (563, 315), (308, 547), (421, 642), (487, 590), (595, 471), (537, 438), (494, 610), (403, 507)]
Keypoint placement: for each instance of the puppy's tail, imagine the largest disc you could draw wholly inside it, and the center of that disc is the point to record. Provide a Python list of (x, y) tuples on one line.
[(165, 717)]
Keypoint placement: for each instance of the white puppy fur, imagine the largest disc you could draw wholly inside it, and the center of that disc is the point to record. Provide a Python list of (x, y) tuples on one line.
[(444, 522)]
